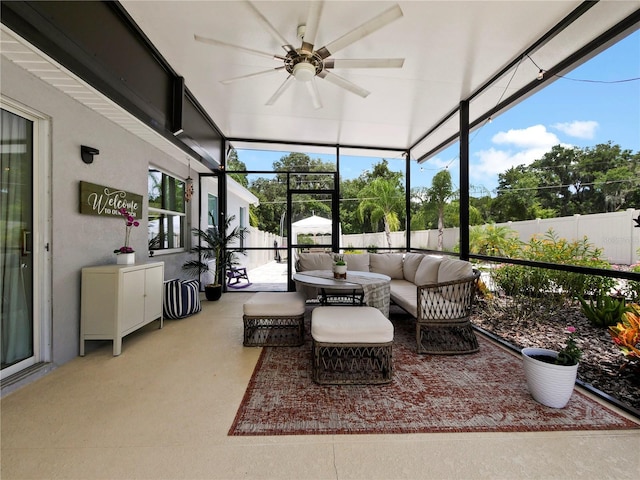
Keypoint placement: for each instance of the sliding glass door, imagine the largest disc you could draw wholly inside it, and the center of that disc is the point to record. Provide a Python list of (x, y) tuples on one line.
[(20, 345)]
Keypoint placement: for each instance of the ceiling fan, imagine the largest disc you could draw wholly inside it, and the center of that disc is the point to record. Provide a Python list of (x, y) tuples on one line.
[(305, 63)]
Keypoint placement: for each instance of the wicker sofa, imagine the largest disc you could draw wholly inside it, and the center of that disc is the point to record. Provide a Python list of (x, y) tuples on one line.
[(437, 291)]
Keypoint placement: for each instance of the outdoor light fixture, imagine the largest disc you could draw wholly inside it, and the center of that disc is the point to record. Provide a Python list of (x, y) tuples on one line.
[(304, 71), (87, 153), (541, 74)]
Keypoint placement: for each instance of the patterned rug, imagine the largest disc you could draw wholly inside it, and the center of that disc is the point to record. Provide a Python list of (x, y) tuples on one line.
[(482, 392)]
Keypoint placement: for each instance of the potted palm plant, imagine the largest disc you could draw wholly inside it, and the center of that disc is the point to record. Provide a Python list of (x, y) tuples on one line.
[(214, 255)]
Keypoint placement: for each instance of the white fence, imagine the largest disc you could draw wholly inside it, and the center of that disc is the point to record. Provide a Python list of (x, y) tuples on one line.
[(613, 232)]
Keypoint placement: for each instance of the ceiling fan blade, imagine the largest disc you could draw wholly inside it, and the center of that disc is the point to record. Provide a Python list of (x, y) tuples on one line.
[(213, 41), (251, 75), (312, 86), (362, 31), (281, 89), (344, 83), (272, 30), (364, 63), (311, 27)]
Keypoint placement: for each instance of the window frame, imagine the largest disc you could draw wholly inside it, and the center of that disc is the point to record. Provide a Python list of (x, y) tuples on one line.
[(167, 212)]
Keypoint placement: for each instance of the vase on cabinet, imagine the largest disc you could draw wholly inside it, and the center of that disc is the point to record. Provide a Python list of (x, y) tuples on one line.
[(126, 258)]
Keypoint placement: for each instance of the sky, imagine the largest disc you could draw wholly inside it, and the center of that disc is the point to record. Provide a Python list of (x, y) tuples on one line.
[(588, 106)]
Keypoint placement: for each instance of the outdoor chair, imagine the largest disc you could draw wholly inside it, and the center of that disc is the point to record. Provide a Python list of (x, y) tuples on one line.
[(236, 276), (443, 325)]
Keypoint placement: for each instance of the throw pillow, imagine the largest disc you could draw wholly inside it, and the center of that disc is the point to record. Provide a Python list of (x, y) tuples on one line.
[(427, 272), (387, 263), (357, 262), (410, 266), (314, 261), (452, 269)]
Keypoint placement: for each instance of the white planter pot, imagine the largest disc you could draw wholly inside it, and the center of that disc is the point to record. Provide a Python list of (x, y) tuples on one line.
[(126, 258), (549, 384), (340, 269)]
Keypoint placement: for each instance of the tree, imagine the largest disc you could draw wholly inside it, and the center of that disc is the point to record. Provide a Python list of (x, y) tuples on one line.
[(272, 190), (234, 164), (440, 193), (381, 199)]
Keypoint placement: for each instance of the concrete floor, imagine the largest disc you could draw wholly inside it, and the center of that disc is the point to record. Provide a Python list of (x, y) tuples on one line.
[(162, 409)]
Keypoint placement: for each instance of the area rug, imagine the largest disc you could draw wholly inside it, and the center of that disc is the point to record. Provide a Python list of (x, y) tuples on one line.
[(481, 392)]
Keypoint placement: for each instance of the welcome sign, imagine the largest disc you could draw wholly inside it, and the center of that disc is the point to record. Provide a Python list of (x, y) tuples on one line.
[(107, 201)]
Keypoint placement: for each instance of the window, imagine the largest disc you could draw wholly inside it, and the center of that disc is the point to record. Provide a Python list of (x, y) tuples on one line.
[(212, 208), (167, 219)]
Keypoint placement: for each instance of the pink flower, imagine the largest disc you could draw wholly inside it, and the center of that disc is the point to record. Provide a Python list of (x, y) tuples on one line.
[(571, 329)]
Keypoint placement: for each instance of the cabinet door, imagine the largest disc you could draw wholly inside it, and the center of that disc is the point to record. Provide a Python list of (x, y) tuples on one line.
[(153, 295), (132, 297)]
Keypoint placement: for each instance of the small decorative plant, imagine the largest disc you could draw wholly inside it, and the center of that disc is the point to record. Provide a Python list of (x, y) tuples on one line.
[(130, 222), (626, 334), (605, 311), (571, 353), (339, 260)]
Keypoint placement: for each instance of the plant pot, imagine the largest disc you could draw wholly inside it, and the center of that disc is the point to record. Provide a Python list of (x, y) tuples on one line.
[(549, 384), (339, 271), (125, 258), (213, 292)]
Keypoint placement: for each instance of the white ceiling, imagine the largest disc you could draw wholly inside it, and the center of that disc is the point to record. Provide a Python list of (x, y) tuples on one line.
[(451, 48)]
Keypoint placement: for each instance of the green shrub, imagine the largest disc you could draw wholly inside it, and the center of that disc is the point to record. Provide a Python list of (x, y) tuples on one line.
[(604, 310), (537, 282)]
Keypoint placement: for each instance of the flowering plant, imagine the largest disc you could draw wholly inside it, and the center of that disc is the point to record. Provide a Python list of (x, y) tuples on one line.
[(626, 334), (129, 223), (571, 353)]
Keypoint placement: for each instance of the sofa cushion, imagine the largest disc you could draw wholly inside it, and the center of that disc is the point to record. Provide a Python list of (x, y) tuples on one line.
[(314, 261), (181, 298), (451, 269), (357, 262), (389, 264), (427, 272), (410, 265), (405, 295)]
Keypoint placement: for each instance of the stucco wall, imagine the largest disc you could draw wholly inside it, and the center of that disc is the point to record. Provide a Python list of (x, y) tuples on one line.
[(79, 240)]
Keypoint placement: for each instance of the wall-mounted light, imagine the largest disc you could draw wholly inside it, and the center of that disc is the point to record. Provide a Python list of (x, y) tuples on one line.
[(541, 74), (87, 153)]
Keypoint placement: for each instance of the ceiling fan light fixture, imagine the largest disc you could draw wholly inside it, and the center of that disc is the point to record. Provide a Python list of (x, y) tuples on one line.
[(304, 71)]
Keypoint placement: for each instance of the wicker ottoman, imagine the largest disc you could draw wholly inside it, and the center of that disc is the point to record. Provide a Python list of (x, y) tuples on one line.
[(351, 345), (274, 319)]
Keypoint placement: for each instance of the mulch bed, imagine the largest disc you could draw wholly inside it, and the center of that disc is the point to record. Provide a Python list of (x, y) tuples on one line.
[(602, 367)]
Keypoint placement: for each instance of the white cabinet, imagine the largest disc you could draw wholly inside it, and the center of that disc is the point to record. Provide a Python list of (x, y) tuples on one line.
[(119, 299)]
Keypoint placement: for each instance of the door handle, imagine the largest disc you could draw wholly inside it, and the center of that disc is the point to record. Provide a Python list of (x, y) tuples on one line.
[(25, 243)]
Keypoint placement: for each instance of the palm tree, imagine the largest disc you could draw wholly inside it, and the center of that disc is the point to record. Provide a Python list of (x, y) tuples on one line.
[(440, 192), (383, 201)]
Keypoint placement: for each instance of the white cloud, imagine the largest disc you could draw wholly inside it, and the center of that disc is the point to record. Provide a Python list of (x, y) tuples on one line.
[(522, 147), (492, 162), (536, 136), (578, 129)]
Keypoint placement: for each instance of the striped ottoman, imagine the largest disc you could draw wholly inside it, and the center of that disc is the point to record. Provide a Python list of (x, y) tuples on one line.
[(274, 319), (351, 345)]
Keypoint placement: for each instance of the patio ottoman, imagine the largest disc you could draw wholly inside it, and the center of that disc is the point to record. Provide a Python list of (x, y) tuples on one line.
[(351, 345), (274, 319)]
